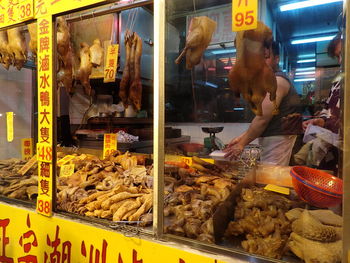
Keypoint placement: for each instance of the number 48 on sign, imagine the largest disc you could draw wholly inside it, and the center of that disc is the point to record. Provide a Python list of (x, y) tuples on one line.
[(244, 14)]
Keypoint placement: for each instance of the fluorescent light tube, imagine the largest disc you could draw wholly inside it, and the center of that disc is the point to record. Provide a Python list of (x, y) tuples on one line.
[(305, 69), (307, 79), (312, 55), (304, 73), (306, 60), (311, 40), (303, 4), (223, 51)]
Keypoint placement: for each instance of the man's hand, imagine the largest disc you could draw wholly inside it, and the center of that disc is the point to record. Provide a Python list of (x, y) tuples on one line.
[(234, 149), (317, 122)]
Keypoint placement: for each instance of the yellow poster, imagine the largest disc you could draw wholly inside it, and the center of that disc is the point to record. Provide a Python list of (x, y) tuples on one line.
[(27, 148), (45, 118), (111, 63), (25, 235), (14, 12), (46, 7), (244, 14), (109, 144), (9, 125)]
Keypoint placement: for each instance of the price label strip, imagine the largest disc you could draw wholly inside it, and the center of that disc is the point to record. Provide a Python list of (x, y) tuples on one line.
[(109, 144), (277, 189), (111, 63), (44, 200), (65, 160), (9, 125), (189, 161), (25, 168), (244, 15)]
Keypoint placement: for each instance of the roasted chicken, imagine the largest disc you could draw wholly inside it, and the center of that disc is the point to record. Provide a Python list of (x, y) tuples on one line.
[(199, 36), (17, 46), (33, 43), (85, 68), (5, 55), (251, 76), (96, 53)]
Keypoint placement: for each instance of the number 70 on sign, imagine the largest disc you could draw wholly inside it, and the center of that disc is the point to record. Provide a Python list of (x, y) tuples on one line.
[(244, 15)]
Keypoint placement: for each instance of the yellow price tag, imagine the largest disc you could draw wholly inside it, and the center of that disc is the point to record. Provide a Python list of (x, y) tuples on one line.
[(9, 122), (44, 206), (277, 189), (25, 10), (67, 170), (109, 144), (44, 152), (244, 14), (111, 63), (65, 160), (27, 148), (189, 161), (25, 168)]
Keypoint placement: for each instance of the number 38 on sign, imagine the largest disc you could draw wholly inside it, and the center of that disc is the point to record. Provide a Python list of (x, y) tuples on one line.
[(244, 14)]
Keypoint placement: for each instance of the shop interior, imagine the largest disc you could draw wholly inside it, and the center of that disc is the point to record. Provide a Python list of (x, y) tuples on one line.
[(210, 203)]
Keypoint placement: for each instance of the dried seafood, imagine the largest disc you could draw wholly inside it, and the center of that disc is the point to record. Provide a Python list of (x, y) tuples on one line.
[(260, 218), (14, 185), (195, 194)]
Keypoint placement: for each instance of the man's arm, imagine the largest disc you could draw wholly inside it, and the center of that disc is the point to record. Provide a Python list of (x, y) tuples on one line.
[(259, 123)]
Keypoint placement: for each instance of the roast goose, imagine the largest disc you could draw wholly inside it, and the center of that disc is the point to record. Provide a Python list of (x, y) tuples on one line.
[(33, 43), (251, 76), (96, 53), (17, 46), (85, 68), (199, 36), (5, 55), (65, 56)]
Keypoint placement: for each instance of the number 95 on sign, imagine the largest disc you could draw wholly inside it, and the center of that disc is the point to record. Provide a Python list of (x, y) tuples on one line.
[(244, 14)]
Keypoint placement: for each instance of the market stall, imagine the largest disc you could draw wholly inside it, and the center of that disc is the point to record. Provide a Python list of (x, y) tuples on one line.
[(119, 126)]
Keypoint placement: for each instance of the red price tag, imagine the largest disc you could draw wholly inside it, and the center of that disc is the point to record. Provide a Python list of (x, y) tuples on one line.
[(44, 152), (244, 15), (25, 10), (44, 207)]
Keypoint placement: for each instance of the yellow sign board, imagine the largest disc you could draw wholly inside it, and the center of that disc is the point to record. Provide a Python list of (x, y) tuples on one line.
[(111, 63), (27, 148), (244, 14), (26, 234), (52, 7), (14, 12), (9, 125), (45, 112), (67, 170), (109, 144)]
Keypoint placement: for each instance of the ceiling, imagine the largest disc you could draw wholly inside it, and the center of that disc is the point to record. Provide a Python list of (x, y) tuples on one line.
[(304, 23)]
